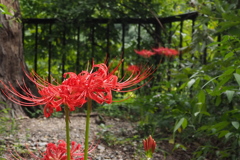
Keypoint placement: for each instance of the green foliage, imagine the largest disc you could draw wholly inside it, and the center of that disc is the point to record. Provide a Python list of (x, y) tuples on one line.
[(200, 102), (106, 135), (8, 126), (193, 99), (106, 9), (5, 10)]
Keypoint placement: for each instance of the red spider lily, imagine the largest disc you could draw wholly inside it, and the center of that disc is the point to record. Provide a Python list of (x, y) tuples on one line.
[(134, 68), (99, 83), (166, 51), (149, 145), (52, 96), (145, 53), (58, 152)]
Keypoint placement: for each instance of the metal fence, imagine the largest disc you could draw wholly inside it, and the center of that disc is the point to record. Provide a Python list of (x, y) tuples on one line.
[(64, 45)]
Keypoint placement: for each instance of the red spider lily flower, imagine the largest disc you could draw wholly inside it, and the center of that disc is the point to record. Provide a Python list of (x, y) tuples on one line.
[(133, 68), (149, 145), (99, 83), (52, 96), (58, 152), (166, 51), (145, 53)]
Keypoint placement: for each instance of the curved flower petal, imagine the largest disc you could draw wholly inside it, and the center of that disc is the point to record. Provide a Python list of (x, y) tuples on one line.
[(166, 51), (145, 53)]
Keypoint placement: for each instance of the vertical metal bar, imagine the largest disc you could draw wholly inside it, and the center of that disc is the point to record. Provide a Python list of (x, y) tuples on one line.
[(123, 48), (139, 36), (193, 30), (180, 45), (64, 51), (204, 61), (170, 59), (181, 39), (170, 34), (204, 57), (157, 35), (92, 39), (193, 25), (49, 52), (78, 50), (108, 44), (219, 39), (36, 47)]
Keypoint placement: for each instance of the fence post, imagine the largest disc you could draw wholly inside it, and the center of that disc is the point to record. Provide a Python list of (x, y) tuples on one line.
[(123, 48), (36, 48), (64, 51), (108, 44), (139, 36), (49, 53)]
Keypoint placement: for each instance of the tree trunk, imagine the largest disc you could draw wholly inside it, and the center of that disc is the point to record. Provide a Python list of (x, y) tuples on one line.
[(11, 56)]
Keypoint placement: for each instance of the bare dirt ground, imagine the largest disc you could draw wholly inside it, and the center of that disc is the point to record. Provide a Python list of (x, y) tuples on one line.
[(114, 137)]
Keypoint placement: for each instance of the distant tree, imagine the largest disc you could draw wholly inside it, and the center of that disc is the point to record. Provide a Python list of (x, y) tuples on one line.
[(11, 54)]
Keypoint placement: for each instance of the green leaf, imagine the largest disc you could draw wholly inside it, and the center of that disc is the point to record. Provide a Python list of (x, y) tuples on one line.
[(228, 55), (205, 113), (196, 113), (223, 133), (230, 95), (235, 124), (237, 77), (191, 82), (178, 125), (228, 72), (177, 146), (227, 25), (182, 86), (185, 123), (228, 135), (201, 97), (218, 100), (4, 10), (221, 125), (218, 89)]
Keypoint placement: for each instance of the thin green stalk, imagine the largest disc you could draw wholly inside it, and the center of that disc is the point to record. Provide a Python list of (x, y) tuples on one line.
[(89, 109), (66, 109)]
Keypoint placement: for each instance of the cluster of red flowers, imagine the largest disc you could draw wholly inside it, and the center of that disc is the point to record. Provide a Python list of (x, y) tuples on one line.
[(161, 51), (74, 91), (145, 53), (166, 51), (59, 152)]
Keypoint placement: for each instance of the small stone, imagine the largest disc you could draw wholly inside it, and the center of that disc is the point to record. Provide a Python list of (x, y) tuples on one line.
[(134, 131), (42, 144), (116, 119), (101, 148)]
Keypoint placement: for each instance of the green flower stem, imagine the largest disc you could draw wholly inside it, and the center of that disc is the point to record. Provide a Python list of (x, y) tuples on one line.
[(66, 109), (89, 109)]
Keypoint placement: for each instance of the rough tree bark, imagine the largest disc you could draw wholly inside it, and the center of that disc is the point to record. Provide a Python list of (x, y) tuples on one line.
[(11, 55)]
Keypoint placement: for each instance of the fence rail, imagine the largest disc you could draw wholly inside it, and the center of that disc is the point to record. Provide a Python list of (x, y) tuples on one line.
[(53, 40)]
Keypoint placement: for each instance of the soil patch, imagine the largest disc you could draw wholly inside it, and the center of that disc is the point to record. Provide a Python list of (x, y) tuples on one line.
[(114, 137)]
